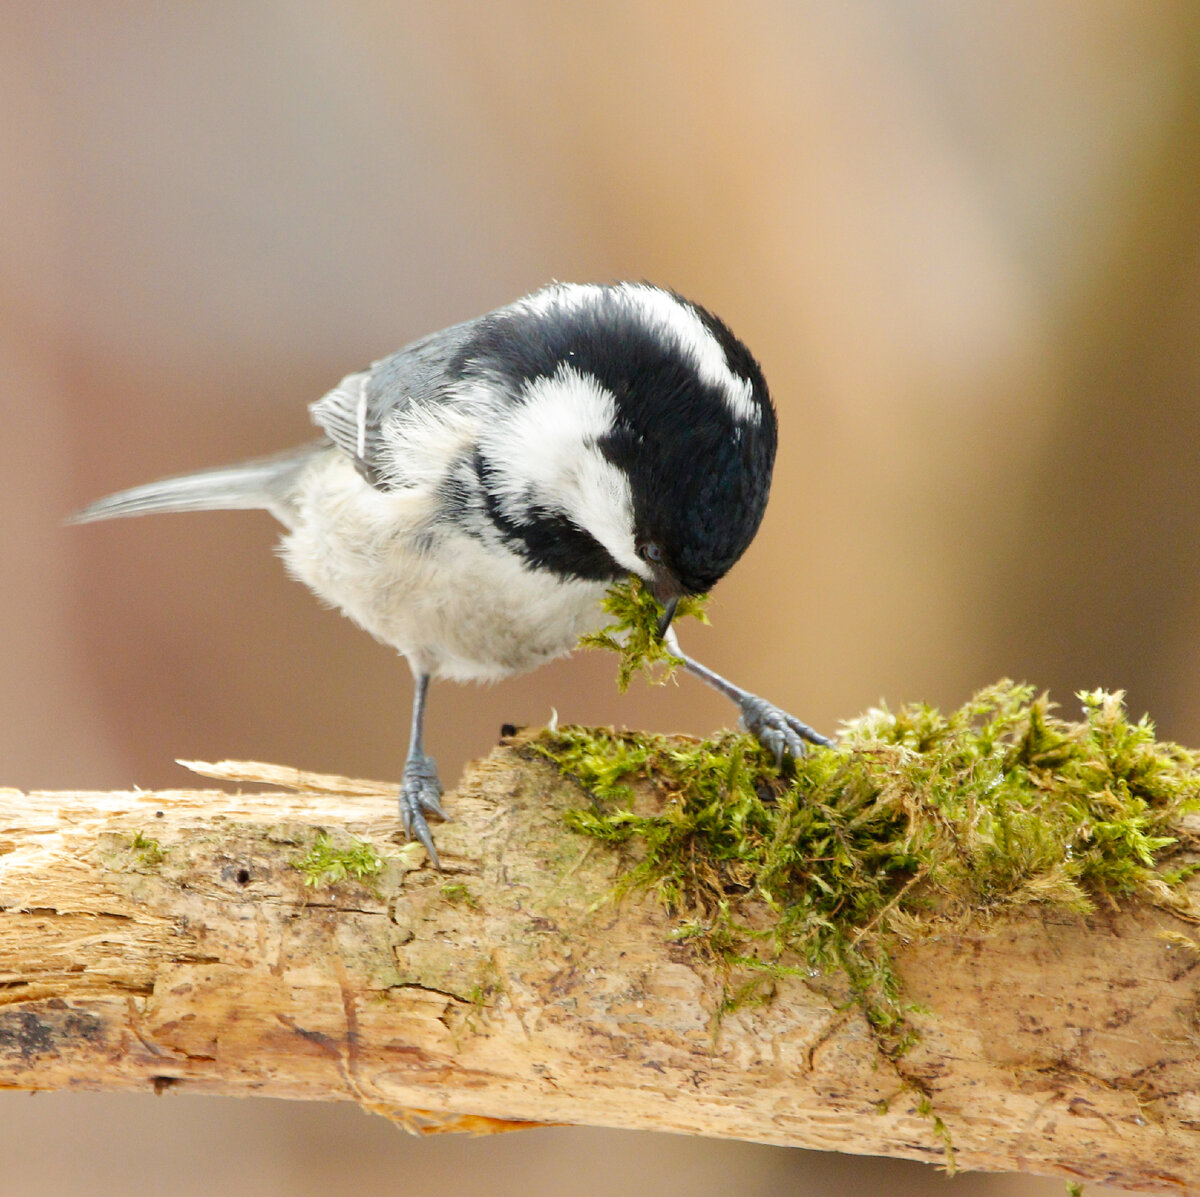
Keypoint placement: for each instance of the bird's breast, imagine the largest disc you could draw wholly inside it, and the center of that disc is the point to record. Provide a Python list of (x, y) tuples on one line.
[(457, 606)]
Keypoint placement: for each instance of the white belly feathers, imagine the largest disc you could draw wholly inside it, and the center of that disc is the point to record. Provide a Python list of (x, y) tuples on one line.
[(455, 608)]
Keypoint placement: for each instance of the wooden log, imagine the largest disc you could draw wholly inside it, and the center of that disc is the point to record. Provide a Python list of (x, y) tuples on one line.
[(153, 941)]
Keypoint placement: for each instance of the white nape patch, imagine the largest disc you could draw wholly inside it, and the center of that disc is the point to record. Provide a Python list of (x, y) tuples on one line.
[(678, 319), (424, 439), (545, 453)]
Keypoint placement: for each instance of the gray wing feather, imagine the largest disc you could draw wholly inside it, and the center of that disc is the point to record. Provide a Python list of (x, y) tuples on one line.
[(355, 413)]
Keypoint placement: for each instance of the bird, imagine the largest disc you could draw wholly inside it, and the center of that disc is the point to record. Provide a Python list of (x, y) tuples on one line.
[(473, 496)]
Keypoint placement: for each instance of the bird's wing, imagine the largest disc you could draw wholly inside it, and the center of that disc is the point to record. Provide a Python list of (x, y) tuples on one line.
[(419, 378)]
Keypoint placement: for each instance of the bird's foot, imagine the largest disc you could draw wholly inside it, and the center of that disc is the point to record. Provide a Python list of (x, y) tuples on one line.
[(775, 729), (421, 794)]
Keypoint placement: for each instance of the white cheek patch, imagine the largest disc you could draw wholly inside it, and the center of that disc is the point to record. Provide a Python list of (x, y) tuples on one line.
[(677, 319), (551, 440), (603, 490)]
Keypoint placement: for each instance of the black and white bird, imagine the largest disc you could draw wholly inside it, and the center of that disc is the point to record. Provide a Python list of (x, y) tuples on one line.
[(476, 493)]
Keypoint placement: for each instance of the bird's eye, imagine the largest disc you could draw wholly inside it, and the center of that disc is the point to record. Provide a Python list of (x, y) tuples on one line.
[(650, 552)]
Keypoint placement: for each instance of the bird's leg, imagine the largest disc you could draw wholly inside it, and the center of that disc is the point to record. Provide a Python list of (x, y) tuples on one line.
[(774, 728), (420, 789)]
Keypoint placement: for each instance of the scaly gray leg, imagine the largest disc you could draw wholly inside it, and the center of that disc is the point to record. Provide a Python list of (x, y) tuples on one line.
[(774, 728), (420, 789)]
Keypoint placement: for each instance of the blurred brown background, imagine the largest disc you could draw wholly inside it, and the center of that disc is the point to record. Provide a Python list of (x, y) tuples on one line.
[(961, 238)]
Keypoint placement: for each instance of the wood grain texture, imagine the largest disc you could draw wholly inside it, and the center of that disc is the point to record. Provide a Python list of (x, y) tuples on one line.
[(513, 989)]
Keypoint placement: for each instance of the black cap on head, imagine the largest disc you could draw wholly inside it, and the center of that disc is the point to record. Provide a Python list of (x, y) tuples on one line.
[(693, 428), (699, 451)]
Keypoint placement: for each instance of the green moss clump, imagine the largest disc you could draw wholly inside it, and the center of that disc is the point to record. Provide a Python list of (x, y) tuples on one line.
[(915, 819), (457, 894), (327, 863), (148, 852), (633, 634)]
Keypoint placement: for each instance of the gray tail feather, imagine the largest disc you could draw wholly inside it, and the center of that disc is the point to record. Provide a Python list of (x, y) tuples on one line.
[(264, 483)]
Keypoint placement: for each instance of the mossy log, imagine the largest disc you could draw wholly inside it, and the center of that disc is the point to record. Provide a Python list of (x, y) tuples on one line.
[(175, 940)]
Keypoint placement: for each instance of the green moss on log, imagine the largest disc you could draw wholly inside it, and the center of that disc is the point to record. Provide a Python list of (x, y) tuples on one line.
[(913, 819)]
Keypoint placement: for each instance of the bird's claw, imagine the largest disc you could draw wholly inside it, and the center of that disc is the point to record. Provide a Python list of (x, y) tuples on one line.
[(421, 794), (776, 730)]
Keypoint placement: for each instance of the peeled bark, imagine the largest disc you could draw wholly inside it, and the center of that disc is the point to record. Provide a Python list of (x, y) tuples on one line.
[(168, 940)]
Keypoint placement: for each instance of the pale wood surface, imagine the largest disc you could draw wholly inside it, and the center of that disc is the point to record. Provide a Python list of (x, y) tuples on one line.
[(511, 988)]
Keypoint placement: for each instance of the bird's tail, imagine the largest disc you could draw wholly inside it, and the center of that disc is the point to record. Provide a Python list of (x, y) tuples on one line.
[(266, 483)]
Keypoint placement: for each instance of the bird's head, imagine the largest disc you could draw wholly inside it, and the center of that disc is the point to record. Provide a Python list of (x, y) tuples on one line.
[(640, 438)]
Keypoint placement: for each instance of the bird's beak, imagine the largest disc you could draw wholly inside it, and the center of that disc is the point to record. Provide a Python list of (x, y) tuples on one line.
[(665, 587), (667, 615)]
